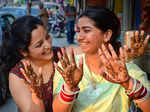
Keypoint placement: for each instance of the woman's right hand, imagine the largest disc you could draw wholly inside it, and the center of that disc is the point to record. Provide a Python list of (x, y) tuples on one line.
[(33, 82), (71, 74)]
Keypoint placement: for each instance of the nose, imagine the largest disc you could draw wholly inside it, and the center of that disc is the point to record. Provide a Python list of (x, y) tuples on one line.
[(47, 44), (80, 36)]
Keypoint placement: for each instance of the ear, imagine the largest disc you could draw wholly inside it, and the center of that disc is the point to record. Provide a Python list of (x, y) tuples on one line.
[(107, 35), (25, 54)]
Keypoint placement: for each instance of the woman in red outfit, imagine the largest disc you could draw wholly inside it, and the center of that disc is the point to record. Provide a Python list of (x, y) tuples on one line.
[(27, 57)]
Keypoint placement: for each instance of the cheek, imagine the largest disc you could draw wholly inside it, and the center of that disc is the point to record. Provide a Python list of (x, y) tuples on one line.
[(35, 52), (97, 40)]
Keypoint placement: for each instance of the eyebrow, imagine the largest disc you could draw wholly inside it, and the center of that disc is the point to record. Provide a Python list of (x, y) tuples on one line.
[(35, 43), (86, 27)]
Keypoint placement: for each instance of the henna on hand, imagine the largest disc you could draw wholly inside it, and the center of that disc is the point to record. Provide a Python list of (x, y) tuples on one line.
[(71, 74), (138, 45), (35, 81), (114, 68)]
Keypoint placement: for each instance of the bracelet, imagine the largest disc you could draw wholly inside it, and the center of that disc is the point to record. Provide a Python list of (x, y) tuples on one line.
[(141, 85), (66, 96), (134, 87), (67, 99), (70, 92), (144, 98), (144, 92), (139, 93), (63, 101)]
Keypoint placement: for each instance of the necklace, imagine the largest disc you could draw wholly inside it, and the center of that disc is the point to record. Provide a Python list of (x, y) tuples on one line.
[(91, 76)]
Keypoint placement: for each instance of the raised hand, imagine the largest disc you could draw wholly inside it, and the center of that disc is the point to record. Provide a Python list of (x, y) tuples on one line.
[(114, 68), (71, 74), (33, 81), (136, 45)]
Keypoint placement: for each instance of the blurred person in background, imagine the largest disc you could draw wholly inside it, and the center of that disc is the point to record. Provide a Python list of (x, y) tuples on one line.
[(70, 15), (29, 5), (145, 18), (145, 25), (43, 14)]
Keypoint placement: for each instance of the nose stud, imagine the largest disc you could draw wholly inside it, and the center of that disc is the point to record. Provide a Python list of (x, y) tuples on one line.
[(45, 47)]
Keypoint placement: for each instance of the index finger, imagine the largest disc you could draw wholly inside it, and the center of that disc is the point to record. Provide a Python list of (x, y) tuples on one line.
[(142, 36), (137, 37), (72, 58), (65, 56), (102, 57), (25, 75)]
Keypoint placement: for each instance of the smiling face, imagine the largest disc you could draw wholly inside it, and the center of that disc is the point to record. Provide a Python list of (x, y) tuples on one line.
[(89, 36), (40, 48)]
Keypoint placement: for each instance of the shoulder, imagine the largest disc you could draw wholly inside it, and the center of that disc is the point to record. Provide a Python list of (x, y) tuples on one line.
[(16, 70), (20, 92)]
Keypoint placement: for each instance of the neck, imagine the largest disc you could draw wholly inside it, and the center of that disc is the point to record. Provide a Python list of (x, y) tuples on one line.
[(45, 65), (39, 63), (93, 62)]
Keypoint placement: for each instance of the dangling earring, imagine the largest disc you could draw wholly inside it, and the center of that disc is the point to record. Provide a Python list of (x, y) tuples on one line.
[(105, 42)]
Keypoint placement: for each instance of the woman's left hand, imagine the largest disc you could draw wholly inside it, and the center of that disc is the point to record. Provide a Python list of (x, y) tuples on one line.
[(114, 68)]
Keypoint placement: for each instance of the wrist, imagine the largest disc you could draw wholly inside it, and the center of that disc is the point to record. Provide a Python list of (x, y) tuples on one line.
[(128, 85), (66, 96), (71, 90), (138, 93)]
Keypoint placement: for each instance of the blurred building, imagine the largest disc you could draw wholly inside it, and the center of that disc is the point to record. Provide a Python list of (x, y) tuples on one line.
[(6, 1)]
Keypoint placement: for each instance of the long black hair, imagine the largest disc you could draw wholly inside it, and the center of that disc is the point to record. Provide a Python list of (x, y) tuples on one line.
[(15, 39), (104, 19)]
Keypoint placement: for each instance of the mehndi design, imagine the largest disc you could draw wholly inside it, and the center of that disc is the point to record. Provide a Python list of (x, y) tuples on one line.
[(135, 45), (36, 81)]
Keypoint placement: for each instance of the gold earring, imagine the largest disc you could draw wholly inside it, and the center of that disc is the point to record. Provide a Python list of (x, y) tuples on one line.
[(105, 41)]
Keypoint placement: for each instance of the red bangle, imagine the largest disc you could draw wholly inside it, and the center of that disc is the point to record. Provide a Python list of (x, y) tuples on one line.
[(140, 97), (65, 99), (139, 92), (66, 95)]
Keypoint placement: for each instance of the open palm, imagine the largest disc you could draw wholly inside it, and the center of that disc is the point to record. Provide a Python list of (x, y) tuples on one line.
[(71, 74), (138, 44), (114, 68)]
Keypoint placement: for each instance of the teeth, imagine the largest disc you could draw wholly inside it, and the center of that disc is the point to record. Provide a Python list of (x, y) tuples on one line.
[(83, 44)]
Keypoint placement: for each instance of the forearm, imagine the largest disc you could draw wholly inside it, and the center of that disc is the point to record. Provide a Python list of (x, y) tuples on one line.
[(32, 108), (63, 107), (39, 107), (145, 105)]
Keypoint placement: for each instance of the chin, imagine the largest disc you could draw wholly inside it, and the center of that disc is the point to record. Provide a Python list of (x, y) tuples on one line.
[(49, 57)]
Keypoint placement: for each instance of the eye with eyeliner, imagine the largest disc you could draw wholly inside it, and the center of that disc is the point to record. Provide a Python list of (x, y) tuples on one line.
[(38, 45)]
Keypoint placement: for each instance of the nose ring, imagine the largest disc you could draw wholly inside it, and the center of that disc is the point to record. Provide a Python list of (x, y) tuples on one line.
[(45, 47)]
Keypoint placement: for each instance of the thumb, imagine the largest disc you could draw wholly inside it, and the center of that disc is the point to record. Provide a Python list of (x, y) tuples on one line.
[(81, 64)]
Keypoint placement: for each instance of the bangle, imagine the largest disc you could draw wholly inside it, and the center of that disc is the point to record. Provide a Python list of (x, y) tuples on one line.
[(71, 92), (139, 93), (143, 98), (62, 99), (134, 87), (141, 85), (144, 92), (66, 96)]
